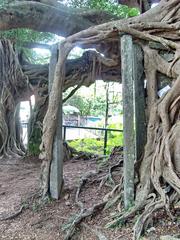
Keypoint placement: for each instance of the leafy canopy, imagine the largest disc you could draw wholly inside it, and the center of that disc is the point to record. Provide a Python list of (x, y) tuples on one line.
[(111, 6)]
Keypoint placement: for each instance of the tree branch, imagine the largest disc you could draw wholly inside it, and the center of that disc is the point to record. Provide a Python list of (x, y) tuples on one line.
[(62, 20), (78, 71), (34, 45)]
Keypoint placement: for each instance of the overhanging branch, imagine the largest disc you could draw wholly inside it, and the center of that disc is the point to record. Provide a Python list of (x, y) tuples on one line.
[(78, 70), (39, 16), (34, 45)]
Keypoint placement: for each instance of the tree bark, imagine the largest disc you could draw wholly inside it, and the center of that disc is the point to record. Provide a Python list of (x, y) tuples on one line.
[(78, 71), (159, 24), (13, 89), (63, 20)]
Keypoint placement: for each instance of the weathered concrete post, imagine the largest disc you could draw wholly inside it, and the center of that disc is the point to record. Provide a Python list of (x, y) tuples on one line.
[(127, 56), (134, 127), (56, 173), (139, 101)]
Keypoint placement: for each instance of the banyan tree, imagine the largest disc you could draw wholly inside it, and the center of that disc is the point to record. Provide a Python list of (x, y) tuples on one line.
[(13, 83), (158, 183)]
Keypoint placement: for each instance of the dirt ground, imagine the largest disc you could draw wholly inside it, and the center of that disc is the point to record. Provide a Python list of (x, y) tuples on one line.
[(19, 183)]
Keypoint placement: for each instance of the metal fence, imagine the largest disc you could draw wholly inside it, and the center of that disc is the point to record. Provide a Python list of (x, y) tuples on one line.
[(106, 130)]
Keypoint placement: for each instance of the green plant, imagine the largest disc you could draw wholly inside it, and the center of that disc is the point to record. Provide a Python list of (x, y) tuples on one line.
[(83, 104), (111, 6), (114, 141), (23, 35), (34, 142), (97, 145), (88, 145)]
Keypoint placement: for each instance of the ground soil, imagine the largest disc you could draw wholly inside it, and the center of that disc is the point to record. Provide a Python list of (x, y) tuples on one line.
[(19, 184)]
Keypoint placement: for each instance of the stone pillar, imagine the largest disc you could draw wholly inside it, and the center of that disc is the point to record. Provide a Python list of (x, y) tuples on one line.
[(127, 65), (134, 127), (139, 102), (56, 172)]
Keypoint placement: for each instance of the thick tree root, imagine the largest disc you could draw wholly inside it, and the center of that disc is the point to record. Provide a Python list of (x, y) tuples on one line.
[(98, 233), (84, 213), (160, 166), (12, 216), (13, 83), (90, 177)]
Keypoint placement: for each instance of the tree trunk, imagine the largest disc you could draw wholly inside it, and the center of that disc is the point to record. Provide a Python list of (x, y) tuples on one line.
[(36, 122), (159, 167), (12, 84)]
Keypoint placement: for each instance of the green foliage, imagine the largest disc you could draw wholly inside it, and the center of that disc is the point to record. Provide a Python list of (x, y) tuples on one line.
[(111, 6), (34, 149), (114, 138), (114, 126), (92, 106), (34, 142), (117, 140), (133, 12), (96, 146), (88, 145), (83, 104), (19, 36), (114, 8), (98, 106), (26, 35)]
